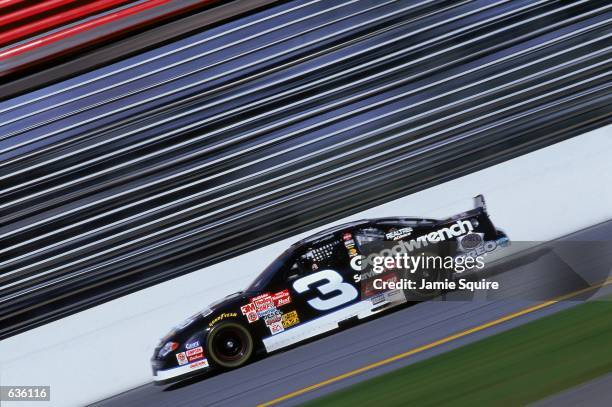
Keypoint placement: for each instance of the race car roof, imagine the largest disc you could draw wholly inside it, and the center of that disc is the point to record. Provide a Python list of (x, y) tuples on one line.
[(414, 221)]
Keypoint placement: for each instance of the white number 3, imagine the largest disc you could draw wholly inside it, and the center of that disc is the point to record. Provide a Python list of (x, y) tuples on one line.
[(346, 292)]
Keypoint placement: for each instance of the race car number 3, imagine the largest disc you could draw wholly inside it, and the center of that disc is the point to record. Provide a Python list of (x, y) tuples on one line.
[(333, 282)]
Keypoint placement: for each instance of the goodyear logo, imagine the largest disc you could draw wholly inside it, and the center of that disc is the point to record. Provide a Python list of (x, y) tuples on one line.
[(223, 316)]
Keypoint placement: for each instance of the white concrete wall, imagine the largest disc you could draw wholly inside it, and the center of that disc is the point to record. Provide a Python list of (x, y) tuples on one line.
[(106, 349)]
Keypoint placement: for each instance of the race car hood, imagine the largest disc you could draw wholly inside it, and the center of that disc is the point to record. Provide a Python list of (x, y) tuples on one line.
[(226, 300), (199, 321)]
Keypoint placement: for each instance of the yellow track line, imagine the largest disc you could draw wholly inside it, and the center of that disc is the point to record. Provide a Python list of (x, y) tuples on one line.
[(433, 344)]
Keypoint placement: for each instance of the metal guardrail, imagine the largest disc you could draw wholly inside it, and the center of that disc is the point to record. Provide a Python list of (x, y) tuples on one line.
[(69, 58), (272, 124)]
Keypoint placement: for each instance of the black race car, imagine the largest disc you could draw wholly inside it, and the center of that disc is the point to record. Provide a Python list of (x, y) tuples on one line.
[(313, 288)]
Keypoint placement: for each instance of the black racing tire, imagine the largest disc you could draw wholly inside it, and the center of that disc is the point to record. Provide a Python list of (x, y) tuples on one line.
[(230, 345), (430, 275), (424, 294)]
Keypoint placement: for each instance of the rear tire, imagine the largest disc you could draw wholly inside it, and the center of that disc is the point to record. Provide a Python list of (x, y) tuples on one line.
[(230, 345), (431, 275)]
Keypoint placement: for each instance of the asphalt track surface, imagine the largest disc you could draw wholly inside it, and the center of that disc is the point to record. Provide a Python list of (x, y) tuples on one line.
[(405, 336)]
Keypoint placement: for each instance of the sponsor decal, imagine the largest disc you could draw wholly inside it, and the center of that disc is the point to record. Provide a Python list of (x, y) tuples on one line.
[(349, 243), (250, 312), (195, 354), (181, 358), (471, 241), (195, 357), (486, 247), (396, 234), (265, 305), (365, 275), (276, 327), (200, 364), (263, 302), (273, 319), (222, 317), (250, 307), (281, 298), (395, 295), (368, 285), (269, 313), (290, 318), (459, 228), (377, 299), (195, 351), (192, 345)]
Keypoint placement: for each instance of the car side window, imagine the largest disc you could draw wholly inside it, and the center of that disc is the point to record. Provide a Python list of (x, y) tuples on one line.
[(293, 272), (372, 238)]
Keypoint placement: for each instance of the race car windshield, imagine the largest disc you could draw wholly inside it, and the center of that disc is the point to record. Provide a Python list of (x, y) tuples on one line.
[(269, 272)]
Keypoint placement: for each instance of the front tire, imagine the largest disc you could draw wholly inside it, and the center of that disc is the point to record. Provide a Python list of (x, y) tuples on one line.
[(230, 345)]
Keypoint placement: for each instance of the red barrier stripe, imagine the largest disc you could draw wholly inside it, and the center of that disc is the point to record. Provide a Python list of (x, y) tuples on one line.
[(77, 29), (9, 3), (32, 10), (56, 19)]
